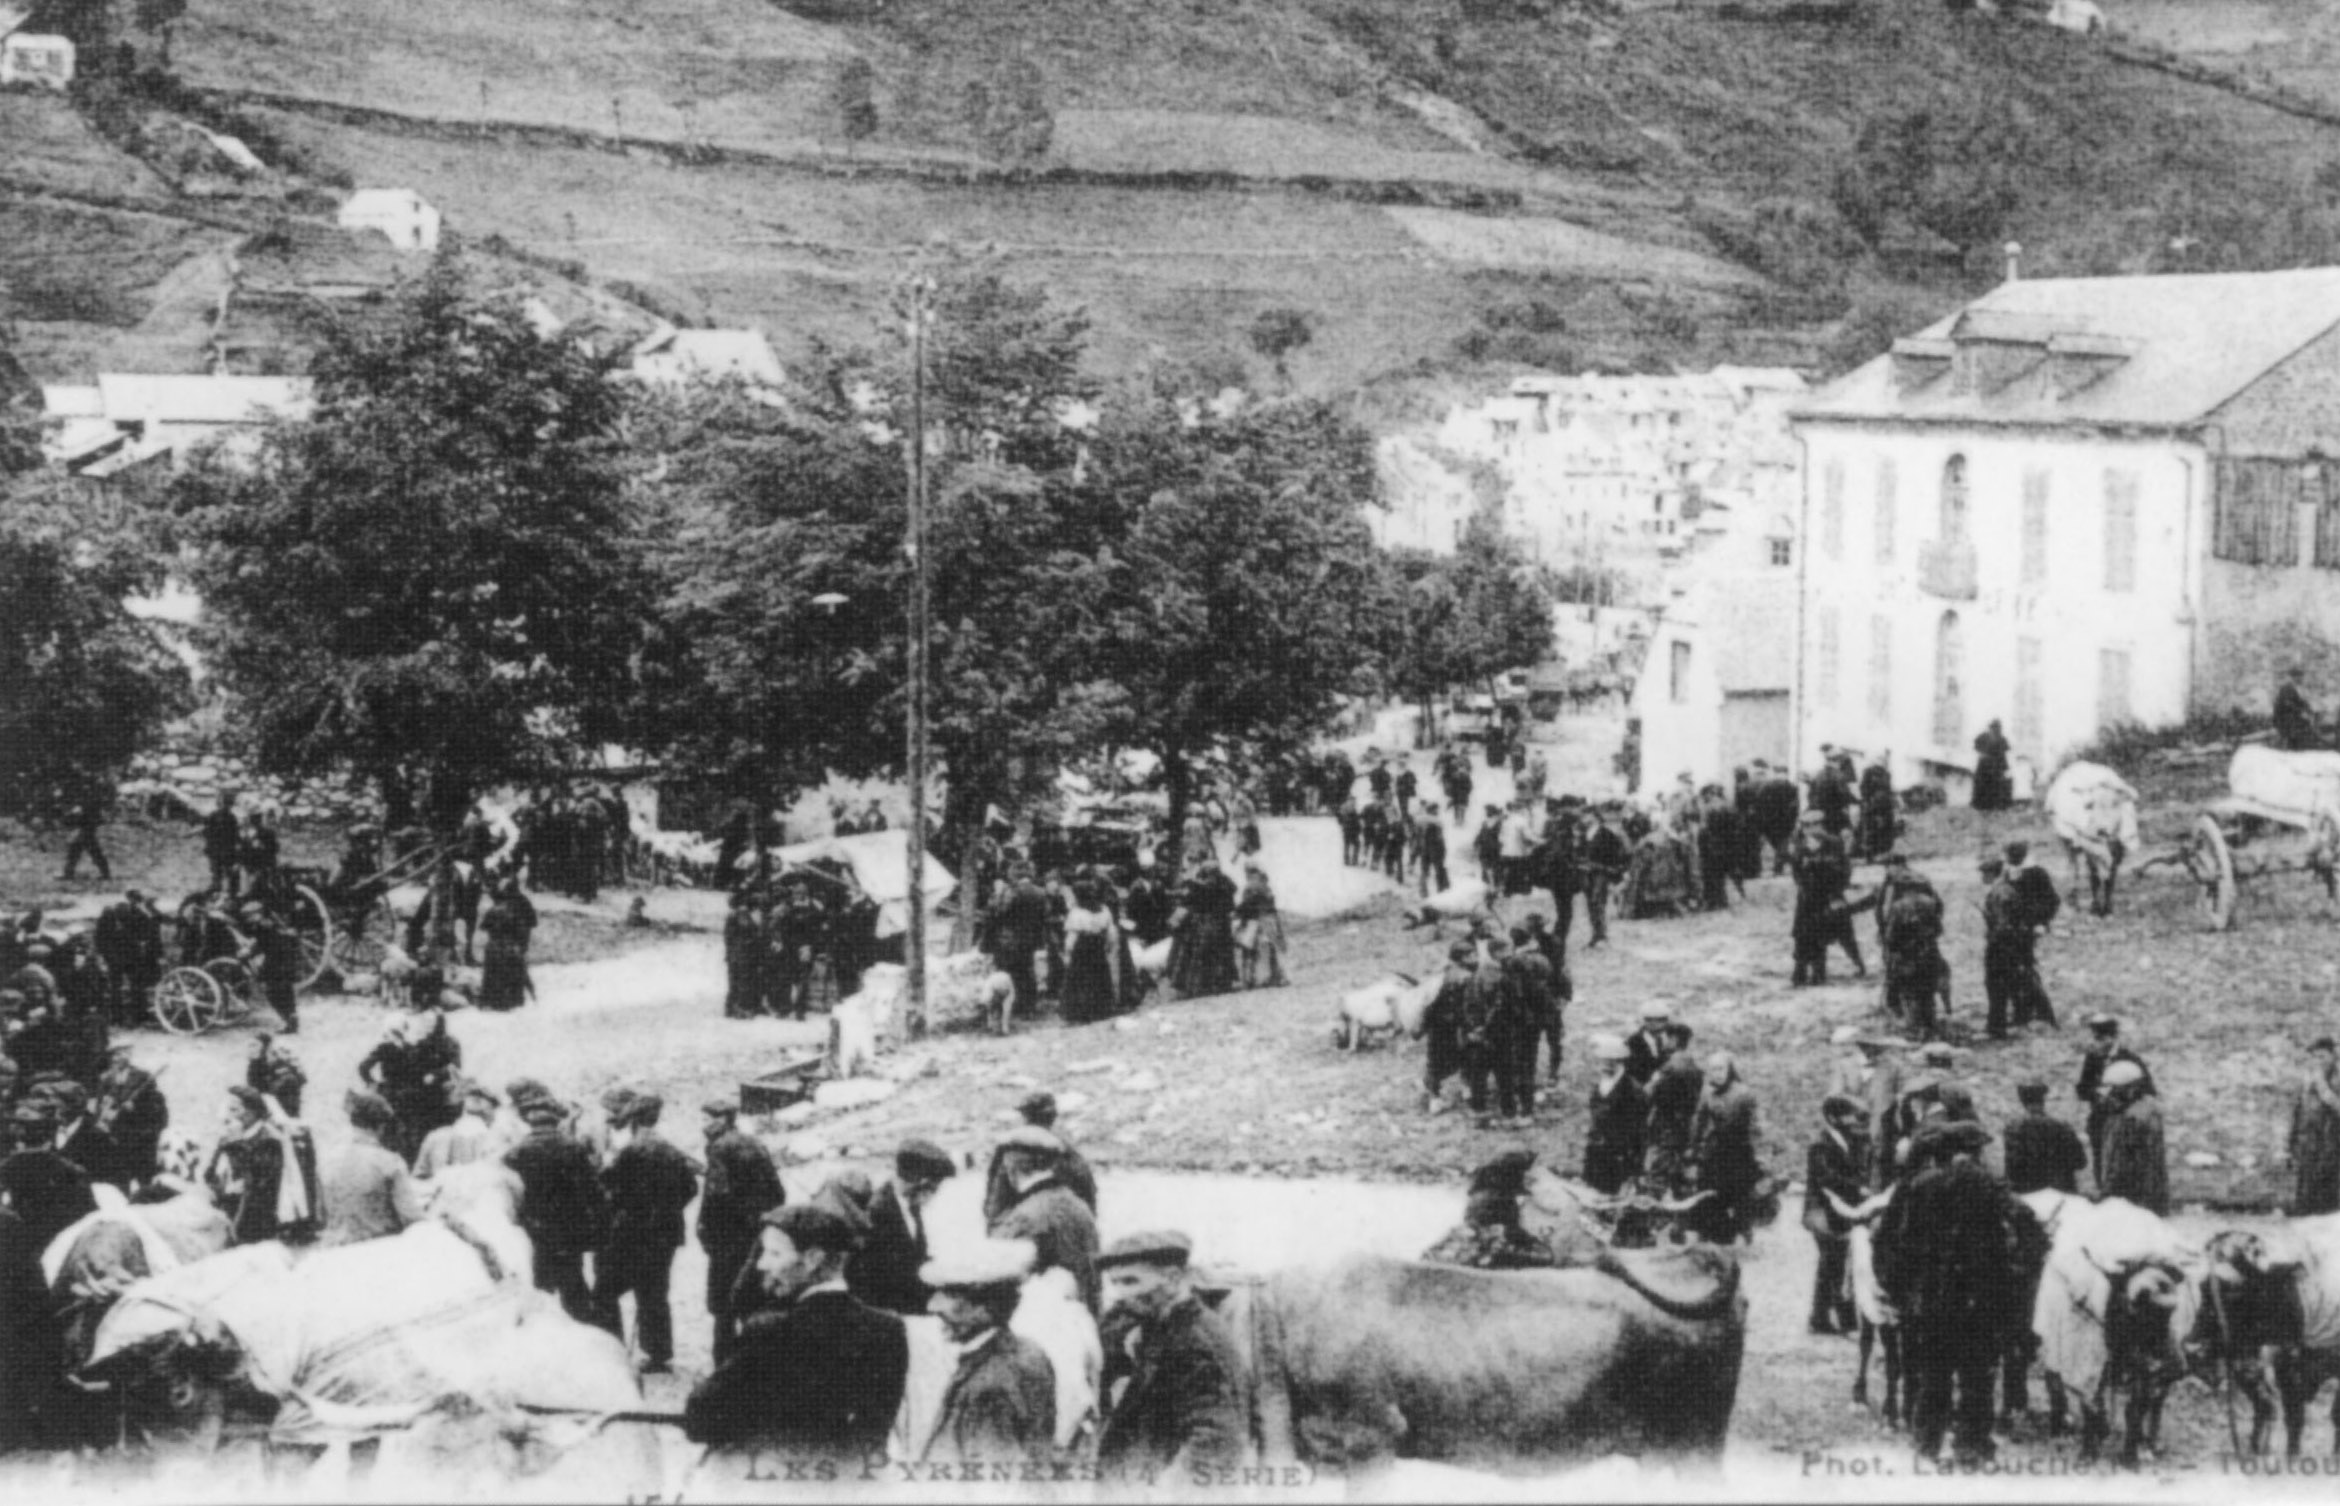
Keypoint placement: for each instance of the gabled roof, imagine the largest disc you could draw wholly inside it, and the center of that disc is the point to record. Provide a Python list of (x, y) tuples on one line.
[(2170, 349), (675, 355)]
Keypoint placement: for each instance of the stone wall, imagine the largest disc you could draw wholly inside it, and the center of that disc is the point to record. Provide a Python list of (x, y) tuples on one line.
[(184, 778)]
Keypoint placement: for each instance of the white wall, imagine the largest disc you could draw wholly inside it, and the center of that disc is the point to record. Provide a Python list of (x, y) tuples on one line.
[(2071, 616)]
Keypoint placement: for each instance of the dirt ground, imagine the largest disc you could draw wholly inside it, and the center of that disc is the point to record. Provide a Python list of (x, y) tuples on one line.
[(1237, 1117)]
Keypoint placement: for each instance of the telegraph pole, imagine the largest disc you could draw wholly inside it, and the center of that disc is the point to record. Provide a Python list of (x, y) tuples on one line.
[(921, 290)]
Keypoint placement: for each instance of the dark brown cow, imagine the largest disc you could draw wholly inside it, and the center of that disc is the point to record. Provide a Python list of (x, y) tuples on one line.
[(1506, 1371)]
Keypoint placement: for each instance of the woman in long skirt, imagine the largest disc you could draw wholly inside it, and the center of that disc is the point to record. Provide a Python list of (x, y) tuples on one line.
[(1091, 940), (1202, 955), (1259, 932), (509, 922)]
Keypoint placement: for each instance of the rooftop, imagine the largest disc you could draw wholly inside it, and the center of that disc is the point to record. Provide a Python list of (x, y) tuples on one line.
[(2150, 352)]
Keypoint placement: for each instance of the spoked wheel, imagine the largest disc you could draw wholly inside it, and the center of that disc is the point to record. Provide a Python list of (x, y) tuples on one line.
[(312, 922), (2211, 862), (188, 1001), (237, 986), (360, 946)]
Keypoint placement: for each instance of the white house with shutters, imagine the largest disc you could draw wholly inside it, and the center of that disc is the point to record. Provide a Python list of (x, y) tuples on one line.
[(2071, 504)]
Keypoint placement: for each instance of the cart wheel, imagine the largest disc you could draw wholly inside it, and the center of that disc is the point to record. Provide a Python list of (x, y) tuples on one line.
[(313, 923), (187, 1001), (360, 946), (2211, 861), (236, 984)]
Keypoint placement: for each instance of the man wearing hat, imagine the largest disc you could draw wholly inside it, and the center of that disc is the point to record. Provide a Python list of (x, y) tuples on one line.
[(2042, 1152), (2295, 719), (1000, 1405), (1072, 1168), (563, 1209), (1674, 1096), (1060, 1226), (79, 1137), (1605, 857), (821, 1379), (2019, 906), (1822, 870), (2314, 1143), (472, 1137), (2103, 1049), (885, 1269), (1490, 1237), (1430, 850), (273, 1072), (368, 1192), (1495, 1024), (1015, 931), (742, 1186), (1909, 934), (47, 1191), (650, 1182), (2135, 1160), (129, 941), (132, 1111), (1649, 1046), (1835, 1164), (1945, 1245), (1617, 1126), (1442, 1024), (1184, 1407)]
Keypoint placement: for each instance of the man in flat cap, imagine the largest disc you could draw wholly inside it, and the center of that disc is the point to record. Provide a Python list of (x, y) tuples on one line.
[(885, 1269), (2104, 1048), (1948, 1247), (650, 1182), (1648, 1047), (2314, 1145), (1184, 1407), (2135, 1161), (2042, 1152), (1000, 1405), (1045, 1211), (742, 1186), (1072, 1168), (1837, 1162), (1490, 1237), (472, 1137), (820, 1378), (1617, 1127), (563, 1209)]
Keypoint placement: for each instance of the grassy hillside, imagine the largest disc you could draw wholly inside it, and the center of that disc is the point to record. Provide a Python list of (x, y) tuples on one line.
[(1445, 197)]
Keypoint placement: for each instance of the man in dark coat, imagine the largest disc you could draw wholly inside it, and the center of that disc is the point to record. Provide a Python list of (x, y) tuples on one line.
[(819, 1380), (1646, 1049), (2042, 1152), (744, 957), (563, 1208), (1442, 1025), (1184, 1408), (48, 1192), (1674, 1097), (1948, 1248), (223, 843), (1777, 806), (1060, 1226), (793, 938), (1072, 1168), (89, 814), (1490, 1237), (2134, 1161), (1832, 796), (1017, 930), (1822, 871), (2019, 906), (1909, 933), (2295, 719), (885, 1269), (1000, 1404), (742, 1186), (650, 1182), (1617, 1123), (1993, 789), (32, 1356), (130, 942), (1430, 850), (133, 1112), (1880, 820), (1601, 863), (1495, 1023), (1836, 1162), (1722, 1143), (2103, 1050)]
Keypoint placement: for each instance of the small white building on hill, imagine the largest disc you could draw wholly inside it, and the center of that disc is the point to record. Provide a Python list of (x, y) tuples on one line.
[(399, 213), (676, 357), (32, 58), (129, 420)]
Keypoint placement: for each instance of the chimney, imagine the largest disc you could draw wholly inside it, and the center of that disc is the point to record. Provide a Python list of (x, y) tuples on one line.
[(2014, 251)]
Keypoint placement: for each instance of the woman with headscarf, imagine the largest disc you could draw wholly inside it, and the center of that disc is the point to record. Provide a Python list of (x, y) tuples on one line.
[(263, 1176), (1093, 948), (509, 922), (1259, 932)]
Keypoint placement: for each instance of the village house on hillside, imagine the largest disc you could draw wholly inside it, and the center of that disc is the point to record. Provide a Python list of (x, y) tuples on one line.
[(676, 357), (33, 58), (1715, 687), (399, 213), (2073, 503), (128, 423)]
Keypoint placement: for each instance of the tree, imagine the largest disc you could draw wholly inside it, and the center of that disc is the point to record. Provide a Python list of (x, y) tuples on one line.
[(856, 100), (1465, 619), (436, 579), (84, 684), (1277, 333), (1246, 582)]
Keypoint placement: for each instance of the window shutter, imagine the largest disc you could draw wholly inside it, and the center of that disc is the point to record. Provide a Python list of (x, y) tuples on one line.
[(1888, 484), (2035, 527), (2120, 530)]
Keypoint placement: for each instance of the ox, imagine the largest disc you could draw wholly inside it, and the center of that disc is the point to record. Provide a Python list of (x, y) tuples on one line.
[(2117, 1299), (2094, 812), (1508, 1371), (433, 1337), (2253, 1324), (1391, 1006), (1467, 899)]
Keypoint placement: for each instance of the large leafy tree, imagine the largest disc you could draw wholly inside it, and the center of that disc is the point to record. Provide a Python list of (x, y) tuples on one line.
[(84, 684), (1247, 583), (436, 579), (1465, 618)]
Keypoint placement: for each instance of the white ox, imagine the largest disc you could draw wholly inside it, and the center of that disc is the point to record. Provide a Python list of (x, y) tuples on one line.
[(2117, 1300), (1390, 1006), (1467, 899), (2094, 813), (1880, 1319)]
